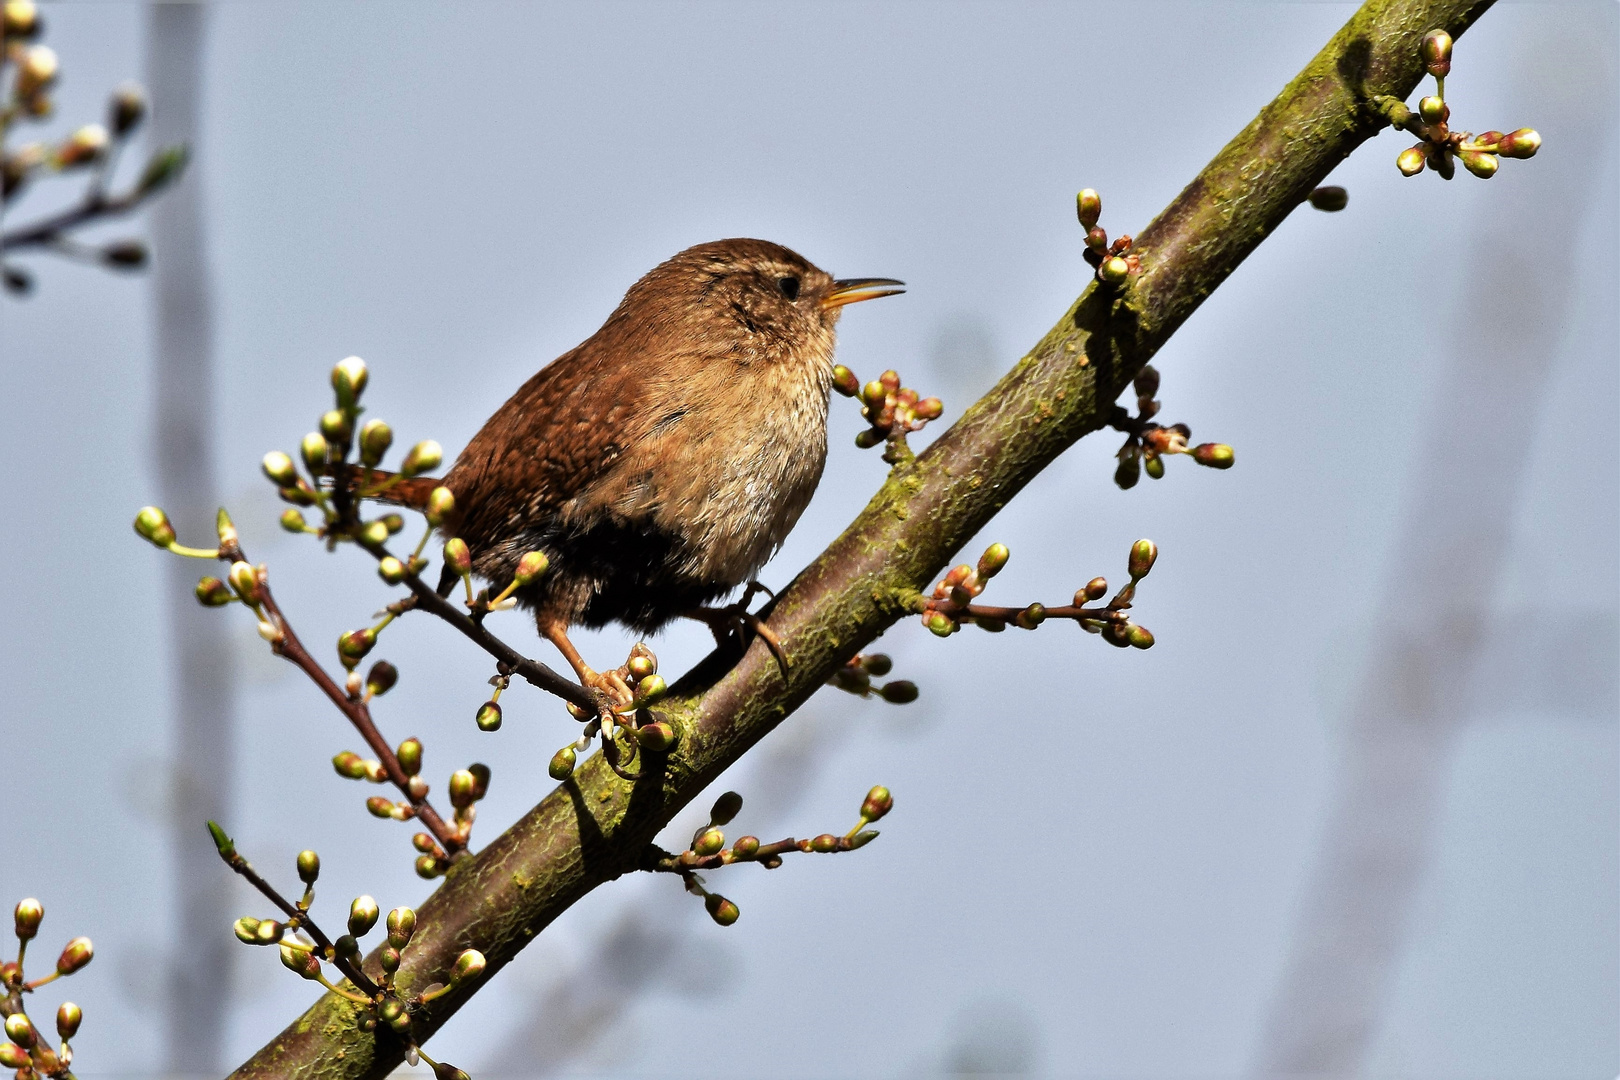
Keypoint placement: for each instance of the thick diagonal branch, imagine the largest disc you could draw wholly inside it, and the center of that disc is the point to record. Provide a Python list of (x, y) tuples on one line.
[(596, 826)]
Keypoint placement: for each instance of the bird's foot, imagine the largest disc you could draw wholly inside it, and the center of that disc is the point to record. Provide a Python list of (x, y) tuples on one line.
[(736, 619)]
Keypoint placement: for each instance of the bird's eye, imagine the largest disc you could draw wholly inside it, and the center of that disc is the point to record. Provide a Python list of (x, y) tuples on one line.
[(789, 287)]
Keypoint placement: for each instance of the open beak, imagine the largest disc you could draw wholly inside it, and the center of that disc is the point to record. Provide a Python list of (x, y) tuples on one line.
[(854, 290)]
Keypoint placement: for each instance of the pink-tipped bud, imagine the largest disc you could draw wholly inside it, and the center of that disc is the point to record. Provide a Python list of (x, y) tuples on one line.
[(153, 526), (380, 806), (745, 847), (410, 756), (1481, 165), (1436, 52), (488, 717), (725, 808), (720, 909), (929, 408), (1522, 143), (824, 843), (26, 917), (350, 765), (1097, 240), (1143, 554), (656, 737), (425, 456), (68, 1019), (1214, 455), (1411, 161), (300, 962), (20, 1030), (844, 381), (991, 562), (878, 803), (75, 955), (708, 842), (363, 914), (457, 557), (530, 568), (1088, 205), (650, 690), (642, 666), (440, 504), (562, 762), (353, 646)]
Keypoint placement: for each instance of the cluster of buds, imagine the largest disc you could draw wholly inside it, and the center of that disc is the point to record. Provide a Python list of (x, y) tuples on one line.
[(633, 687), (26, 1050), (305, 949), (33, 71), (951, 604), (1113, 262), (1439, 147), (856, 676), (893, 411), (467, 787), (1147, 444), (708, 850)]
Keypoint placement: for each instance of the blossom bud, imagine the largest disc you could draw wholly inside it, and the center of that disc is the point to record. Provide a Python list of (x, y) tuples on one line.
[(427, 867), (1143, 554), (463, 789), (36, 71), (442, 1071), (489, 716), (309, 866), (899, 692), (457, 557), (1481, 165), (13, 1056), (19, 18), (878, 802), (353, 646), (940, 624), (128, 254), (726, 807), (26, 917), (401, 925), (877, 664), (440, 503), (745, 847), (1096, 242), (1411, 161), (82, 147), (410, 756), (562, 764), (391, 570), (656, 737), (844, 381), (153, 525), (650, 689), (245, 580), (1153, 465), (300, 962), (1129, 470), (720, 909), (1330, 199), (20, 1030), (1117, 634), (268, 932), (246, 930), (1093, 590), (708, 842), (280, 469), (380, 806), (1432, 109), (389, 958), (1214, 455), (1113, 271), (362, 916), (469, 965), (337, 427), (349, 380), (1522, 143), (929, 408), (868, 438), (75, 955), (824, 843), (530, 567), (1436, 52), (1030, 617), (126, 109), (293, 521), (1140, 637), (425, 456), (314, 451), (994, 558), (381, 678), (642, 666), (862, 838), (349, 764), (68, 1019), (1088, 204)]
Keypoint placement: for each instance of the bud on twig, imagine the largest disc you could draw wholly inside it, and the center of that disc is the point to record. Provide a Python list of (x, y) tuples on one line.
[(1436, 52), (457, 557), (463, 788), (1522, 143), (375, 439), (68, 1018), (363, 914), (309, 866), (656, 737), (878, 803), (349, 380), (27, 917), (562, 764), (720, 909), (410, 756), (489, 716), (425, 456), (530, 567), (280, 469), (1143, 555), (75, 955), (20, 1030), (381, 678), (469, 965), (725, 808), (153, 525), (127, 108), (401, 925), (1330, 199)]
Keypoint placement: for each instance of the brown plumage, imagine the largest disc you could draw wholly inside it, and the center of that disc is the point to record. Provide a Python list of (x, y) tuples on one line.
[(661, 462)]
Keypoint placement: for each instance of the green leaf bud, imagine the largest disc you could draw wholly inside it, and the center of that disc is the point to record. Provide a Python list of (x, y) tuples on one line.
[(463, 789), (725, 808), (163, 167), (26, 916), (375, 439), (844, 381), (246, 930), (401, 925), (1030, 617), (940, 624), (862, 838), (20, 1030), (1329, 199), (1522, 143), (309, 866), (381, 678), (824, 843), (314, 452), (720, 909), (878, 802), (349, 764), (427, 867), (441, 1071), (1436, 52), (656, 737), (425, 456), (1481, 165), (349, 380), (1088, 205), (153, 525), (353, 646), (1140, 637), (1153, 465), (390, 570), (1143, 555), (899, 692), (245, 581), (745, 847), (1432, 109), (469, 965), (374, 533), (530, 567), (1214, 455), (994, 558), (380, 806), (293, 521), (1411, 161), (363, 914), (410, 756), (562, 764), (457, 557), (650, 690), (222, 843), (337, 427), (1114, 270), (440, 503), (489, 716), (75, 955), (708, 842)]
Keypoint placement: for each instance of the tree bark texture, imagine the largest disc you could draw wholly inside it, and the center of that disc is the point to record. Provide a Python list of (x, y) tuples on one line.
[(596, 826)]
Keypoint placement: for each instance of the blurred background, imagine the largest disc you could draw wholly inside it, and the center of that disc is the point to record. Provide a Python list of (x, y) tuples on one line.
[(1355, 815)]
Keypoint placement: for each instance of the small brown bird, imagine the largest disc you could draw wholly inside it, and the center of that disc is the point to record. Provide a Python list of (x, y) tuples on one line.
[(660, 463)]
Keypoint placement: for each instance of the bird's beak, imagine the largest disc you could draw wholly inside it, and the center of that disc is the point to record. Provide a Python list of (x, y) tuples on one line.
[(854, 290)]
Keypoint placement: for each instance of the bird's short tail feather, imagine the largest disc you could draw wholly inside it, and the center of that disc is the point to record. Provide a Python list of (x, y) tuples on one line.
[(390, 487)]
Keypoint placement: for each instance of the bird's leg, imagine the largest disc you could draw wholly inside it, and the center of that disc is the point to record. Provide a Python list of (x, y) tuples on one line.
[(733, 618), (609, 683)]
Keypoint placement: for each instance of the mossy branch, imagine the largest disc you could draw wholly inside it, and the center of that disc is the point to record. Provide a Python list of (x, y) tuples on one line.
[(597, 826)]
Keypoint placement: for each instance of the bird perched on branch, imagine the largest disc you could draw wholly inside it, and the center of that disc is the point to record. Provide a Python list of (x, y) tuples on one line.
[(660, 463)]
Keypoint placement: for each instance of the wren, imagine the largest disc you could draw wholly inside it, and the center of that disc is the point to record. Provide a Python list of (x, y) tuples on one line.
[(661, 462)]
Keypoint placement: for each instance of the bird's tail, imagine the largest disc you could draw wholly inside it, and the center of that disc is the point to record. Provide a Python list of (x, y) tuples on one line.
[(392, 488)]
